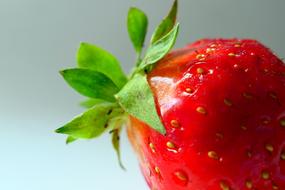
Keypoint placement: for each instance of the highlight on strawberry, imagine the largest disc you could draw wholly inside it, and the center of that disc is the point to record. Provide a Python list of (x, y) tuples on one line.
[(209, 116)]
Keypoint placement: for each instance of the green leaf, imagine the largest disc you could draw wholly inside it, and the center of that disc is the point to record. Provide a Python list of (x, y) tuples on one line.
[(137, 27), (89, 103), (166, 25), (116, 145), (90, 83), (160, 48), (97, 59), (91, 123), (137, 99), (70, 139)]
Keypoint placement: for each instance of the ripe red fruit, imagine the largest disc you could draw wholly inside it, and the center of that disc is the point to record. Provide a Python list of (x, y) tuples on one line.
[(222, 103)]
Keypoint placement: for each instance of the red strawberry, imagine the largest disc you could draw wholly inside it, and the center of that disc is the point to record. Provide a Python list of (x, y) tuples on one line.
[(210, 116), (222, 103)]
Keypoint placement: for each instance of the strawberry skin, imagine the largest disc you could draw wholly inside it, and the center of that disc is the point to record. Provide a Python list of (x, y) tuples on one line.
[(222, 104)]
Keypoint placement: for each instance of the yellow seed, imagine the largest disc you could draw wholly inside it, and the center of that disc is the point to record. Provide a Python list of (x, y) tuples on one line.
[(243, 127), (213, 45), (200, 70), (274, 186), (224, 186), (249, 184), (272, 95), (247, 95), (265, 121), (249, 154), (210, 50), (231, 54), (228, 102), (174, 123), (157, 170), (181, 176), (265, 175), (189, 90), (213, 155), (220, 135), (201, 110), (269, 147), (282, 122), (151, 146), (282, 156), (149, 171), (200, 56), (237, 45), (170, 145)]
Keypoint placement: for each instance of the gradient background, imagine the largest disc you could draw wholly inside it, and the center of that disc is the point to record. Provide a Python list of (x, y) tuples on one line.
[(37, 38)]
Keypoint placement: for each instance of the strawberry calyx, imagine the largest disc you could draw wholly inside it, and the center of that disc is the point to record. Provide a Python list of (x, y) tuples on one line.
[(112, 96)]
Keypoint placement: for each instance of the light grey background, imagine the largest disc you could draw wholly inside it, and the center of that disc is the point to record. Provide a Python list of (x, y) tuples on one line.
[(37, 38)]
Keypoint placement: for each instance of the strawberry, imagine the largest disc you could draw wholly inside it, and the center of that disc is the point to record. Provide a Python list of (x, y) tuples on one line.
[(222, 103), (208, 116)]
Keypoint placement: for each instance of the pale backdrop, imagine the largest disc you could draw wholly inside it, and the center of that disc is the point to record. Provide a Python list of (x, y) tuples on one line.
[(37, 38)]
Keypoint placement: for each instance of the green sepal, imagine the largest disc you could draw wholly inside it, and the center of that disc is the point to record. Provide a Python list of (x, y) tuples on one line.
[(160, 48), (97, 59), (137, 23), (166, 24), (116, 145), (90, 83), (136, 98), (70, 139), (89, 103), (101, 79), (91, 123)]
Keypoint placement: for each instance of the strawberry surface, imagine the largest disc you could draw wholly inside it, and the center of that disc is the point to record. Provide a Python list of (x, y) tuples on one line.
[(222, 104)]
